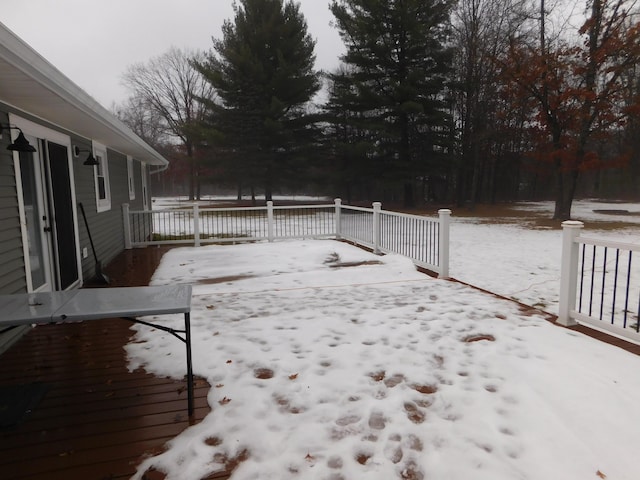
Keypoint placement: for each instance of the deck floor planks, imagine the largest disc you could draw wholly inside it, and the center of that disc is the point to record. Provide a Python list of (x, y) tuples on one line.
[(97, 419)]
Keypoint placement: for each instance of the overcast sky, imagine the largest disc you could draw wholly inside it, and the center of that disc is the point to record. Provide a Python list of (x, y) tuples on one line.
[(93, 41)]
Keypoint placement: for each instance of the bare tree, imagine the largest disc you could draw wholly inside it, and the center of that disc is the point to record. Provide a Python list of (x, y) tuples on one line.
[(577, 90), (145, 121), (482, 29), (171, 88)]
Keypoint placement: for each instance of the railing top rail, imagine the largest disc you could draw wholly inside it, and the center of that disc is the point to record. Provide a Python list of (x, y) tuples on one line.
[(408, 215), (598, 242), (187, 208), (302, 207), (202, 209), (167, 210), (359, 209)]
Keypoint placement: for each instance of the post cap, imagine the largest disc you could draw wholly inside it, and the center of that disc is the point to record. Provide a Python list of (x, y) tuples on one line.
[(572, 224)]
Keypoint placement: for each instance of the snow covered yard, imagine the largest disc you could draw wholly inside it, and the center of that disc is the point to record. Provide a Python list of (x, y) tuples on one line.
[(509, 257), (327, 362)]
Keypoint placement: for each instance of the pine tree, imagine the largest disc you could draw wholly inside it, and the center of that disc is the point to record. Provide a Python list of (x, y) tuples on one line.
[(399, 62), (263, 72)]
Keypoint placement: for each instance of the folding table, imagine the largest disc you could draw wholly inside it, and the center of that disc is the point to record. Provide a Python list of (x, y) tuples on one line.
[(100, 303)]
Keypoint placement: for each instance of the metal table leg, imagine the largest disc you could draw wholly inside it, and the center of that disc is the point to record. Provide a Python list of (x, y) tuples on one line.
[(187, 330)]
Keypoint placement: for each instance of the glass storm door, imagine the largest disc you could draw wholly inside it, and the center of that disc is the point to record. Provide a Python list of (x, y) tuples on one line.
[(145, 198), (60, 197), (50, 229), (36, 219)]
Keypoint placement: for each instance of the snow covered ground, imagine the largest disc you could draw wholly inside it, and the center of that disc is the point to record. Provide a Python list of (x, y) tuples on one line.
[(327, 362), (524, 264)]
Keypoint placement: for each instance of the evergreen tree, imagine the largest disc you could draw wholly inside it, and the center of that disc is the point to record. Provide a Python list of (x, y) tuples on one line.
[(348, 145), (399, 64), (263, 72)]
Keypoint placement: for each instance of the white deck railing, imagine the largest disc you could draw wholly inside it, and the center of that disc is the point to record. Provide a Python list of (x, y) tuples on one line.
[(600, 284), (423, 239)]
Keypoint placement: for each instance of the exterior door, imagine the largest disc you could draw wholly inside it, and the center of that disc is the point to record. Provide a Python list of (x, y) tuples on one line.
[(61, 212), (49, 218), (145, 192), (37, 250)]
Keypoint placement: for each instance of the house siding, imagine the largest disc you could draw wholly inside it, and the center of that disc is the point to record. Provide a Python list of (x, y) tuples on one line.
[(12, 273), (106, 227), (13, 277)]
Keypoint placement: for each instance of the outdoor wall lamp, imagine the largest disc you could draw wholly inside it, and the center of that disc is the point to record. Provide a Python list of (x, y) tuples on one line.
[(21, 144), (90, 161)]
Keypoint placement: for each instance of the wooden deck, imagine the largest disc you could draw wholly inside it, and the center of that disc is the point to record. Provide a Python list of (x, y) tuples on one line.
[(97, 420)]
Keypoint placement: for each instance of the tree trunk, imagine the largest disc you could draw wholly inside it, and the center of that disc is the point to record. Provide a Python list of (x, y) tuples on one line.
[(567, 183), (409, 201), (192, 169), (476, 176), (559, 211)]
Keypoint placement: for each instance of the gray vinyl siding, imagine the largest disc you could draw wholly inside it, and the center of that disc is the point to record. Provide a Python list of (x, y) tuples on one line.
[(12, 273), (106, 227), (85, 194)]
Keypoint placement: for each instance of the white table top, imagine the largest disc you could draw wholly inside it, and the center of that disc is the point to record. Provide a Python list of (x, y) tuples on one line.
[(93, 303), (27, 308)]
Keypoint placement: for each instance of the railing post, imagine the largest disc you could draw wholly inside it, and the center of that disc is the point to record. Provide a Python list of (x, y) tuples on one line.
[(270, 221), (443, 242), (126, 226), (196, 225), (376, 227), (338, 203), (569, 271)]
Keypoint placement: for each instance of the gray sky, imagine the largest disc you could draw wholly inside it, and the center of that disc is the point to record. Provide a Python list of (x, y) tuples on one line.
[(93, 41)]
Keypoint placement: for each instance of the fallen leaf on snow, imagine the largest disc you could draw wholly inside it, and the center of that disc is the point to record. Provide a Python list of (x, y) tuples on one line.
[(600, 474), (224, 401), (293, 377)]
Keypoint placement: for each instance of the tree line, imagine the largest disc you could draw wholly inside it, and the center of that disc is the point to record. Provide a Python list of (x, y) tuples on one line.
[(434, 101)]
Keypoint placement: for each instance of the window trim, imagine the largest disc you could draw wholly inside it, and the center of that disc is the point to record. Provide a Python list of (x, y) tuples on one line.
[(100, 154)]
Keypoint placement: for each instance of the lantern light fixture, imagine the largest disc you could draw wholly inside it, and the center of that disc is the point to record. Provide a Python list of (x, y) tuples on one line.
[(20, 144)]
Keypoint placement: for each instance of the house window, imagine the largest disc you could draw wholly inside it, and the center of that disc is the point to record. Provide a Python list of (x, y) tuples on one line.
[(103, 189), (131, 179)]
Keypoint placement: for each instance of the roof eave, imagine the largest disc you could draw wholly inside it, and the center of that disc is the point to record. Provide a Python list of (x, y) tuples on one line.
[(29, 83)]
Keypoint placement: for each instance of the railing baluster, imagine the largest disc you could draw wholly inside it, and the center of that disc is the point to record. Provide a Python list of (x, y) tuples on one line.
[(638, 315), (615, 287), (584, 246), (604, 275), (593, 273), (626, 296)]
